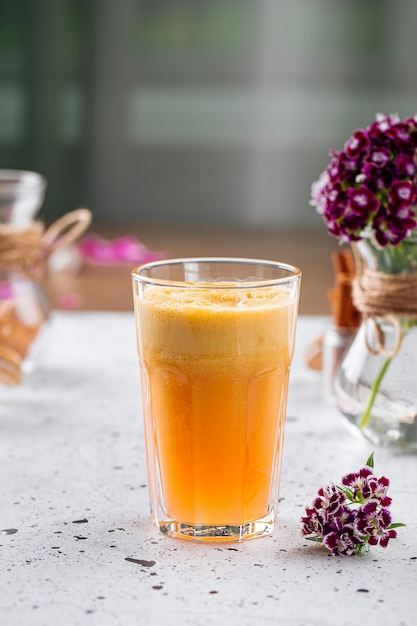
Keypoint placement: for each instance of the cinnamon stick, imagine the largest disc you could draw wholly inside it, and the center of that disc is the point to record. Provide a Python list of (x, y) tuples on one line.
[(345, 314)]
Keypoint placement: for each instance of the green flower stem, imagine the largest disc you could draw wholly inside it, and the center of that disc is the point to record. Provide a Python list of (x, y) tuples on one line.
[(374, 390)]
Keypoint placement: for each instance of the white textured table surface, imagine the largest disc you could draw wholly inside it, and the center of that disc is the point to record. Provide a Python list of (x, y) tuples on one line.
[(76, 543)]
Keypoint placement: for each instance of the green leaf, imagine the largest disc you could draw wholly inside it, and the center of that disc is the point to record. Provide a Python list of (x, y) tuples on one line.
[(370, 461), (396, 525), (347, 492), (362, 548), (314, 538)]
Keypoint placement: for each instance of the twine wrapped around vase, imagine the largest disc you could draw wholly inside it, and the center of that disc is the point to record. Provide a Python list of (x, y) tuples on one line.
[(381, 296), (28, 248)]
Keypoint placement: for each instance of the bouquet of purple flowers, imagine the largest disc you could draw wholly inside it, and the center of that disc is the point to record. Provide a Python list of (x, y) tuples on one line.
[(370, 187)]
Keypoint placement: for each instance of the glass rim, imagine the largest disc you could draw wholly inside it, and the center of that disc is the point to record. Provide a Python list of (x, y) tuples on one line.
[(294, 273)]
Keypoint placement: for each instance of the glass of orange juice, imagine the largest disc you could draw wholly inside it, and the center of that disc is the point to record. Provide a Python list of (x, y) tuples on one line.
[(215, 341)]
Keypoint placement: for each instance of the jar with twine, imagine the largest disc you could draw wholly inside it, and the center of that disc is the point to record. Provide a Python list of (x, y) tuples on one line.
[(25, 247), (376, 384)]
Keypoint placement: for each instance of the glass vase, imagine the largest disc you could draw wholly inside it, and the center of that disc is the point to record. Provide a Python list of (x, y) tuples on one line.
[(23, 306), (376, 383)]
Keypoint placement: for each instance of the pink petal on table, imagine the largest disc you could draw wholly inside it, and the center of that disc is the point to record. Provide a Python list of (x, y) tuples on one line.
[(96, 249), (70, 301), (122, 250)]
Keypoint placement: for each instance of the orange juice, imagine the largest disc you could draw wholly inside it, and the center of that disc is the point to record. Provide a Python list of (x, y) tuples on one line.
[(215, 365)]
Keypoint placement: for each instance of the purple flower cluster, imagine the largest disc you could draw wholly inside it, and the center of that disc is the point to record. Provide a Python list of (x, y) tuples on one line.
[(371, 185), (350, 517)]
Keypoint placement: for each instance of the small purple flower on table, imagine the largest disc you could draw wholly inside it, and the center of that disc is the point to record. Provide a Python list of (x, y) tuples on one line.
[(349, 518)]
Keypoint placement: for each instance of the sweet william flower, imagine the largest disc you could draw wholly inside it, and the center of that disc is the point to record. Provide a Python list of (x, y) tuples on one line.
[(379, 157), (357, 144), (342, 543), (374, 524), (404, 166), (364, 485), (349, 518), (362, 200), (373, 176), (401, 193)]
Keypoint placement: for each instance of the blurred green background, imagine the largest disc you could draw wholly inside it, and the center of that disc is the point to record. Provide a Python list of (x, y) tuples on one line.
[(195, 111)]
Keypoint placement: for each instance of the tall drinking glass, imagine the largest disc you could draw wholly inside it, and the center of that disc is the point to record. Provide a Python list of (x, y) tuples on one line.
[(215, 341)]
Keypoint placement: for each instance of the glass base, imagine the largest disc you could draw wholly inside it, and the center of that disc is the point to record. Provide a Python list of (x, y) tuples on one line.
[(392, 423), (221, 533), (392, 434)]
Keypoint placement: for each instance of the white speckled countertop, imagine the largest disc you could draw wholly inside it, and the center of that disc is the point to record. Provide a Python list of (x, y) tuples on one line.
[(76, 543)]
